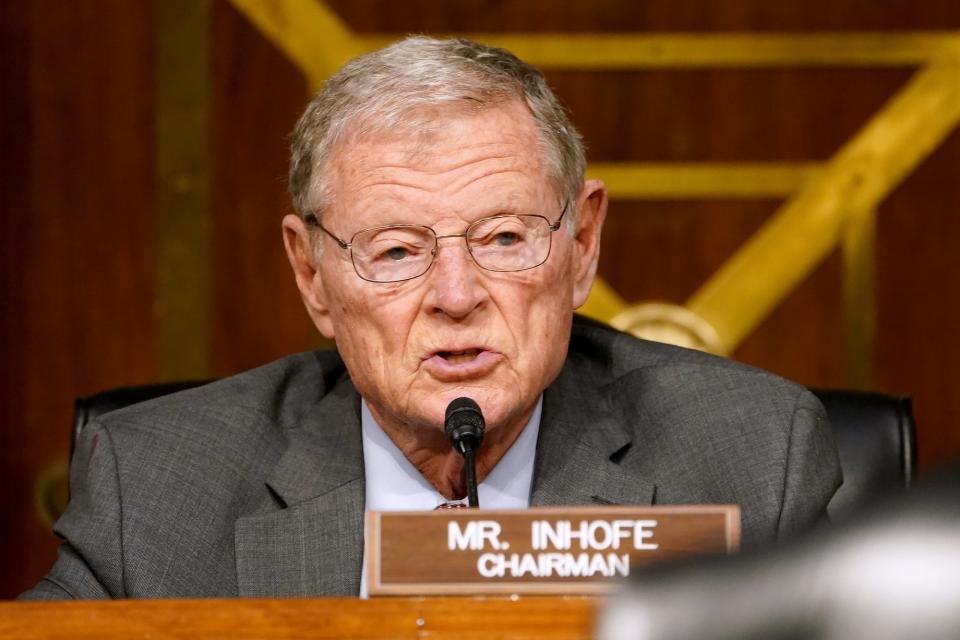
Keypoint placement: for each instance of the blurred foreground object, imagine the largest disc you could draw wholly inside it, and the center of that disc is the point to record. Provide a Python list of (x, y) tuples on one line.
[(894, 574)]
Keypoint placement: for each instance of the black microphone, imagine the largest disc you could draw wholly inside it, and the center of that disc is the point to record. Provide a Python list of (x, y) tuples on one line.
[(464, 426)]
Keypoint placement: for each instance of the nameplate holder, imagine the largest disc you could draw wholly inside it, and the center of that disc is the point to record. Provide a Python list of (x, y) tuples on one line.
[(541, 550)]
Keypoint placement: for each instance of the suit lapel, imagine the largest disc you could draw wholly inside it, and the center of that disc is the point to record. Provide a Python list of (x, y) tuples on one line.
[(314, 545), (579, 448)]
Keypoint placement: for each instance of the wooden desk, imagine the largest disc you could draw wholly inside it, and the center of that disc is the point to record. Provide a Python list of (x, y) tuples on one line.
[(527, 617)]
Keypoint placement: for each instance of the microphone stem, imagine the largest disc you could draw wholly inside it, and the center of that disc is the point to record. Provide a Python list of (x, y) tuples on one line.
[(471, 465)]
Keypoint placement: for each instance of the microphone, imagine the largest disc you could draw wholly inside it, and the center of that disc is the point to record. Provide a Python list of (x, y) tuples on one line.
[(464, 426)]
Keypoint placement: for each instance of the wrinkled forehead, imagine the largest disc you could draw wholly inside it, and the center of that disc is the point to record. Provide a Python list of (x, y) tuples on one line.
[(434, 138)]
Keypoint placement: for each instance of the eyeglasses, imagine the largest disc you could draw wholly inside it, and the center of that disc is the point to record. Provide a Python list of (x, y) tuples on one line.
[(398, 252)]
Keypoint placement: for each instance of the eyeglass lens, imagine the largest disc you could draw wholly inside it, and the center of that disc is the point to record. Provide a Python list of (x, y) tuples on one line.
[(499, 243)]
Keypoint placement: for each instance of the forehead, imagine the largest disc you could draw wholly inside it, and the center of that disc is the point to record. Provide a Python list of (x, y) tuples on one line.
[(455, 161)]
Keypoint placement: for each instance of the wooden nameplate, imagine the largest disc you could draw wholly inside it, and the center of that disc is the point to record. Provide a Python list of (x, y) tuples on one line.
[(542, 550)]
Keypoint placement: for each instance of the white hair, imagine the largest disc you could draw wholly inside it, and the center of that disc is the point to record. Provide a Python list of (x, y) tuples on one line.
[(383, 89)]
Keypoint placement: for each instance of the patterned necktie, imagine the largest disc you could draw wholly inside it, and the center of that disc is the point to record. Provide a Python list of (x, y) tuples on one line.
[(451, 505)]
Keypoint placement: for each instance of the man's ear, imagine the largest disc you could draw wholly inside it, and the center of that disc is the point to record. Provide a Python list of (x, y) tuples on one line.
[(591, 212), (296, 240)]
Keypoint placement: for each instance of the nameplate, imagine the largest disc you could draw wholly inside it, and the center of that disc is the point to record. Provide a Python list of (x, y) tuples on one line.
[(542, 550)]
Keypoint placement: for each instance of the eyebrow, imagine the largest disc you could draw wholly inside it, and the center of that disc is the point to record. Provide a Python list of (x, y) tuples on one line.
[(468, 215)]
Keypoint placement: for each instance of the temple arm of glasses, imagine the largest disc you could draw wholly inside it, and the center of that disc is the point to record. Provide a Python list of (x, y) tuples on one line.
[(311, 220), (555, 225)]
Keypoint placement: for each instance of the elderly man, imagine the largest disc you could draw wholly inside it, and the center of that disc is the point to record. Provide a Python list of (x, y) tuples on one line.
[(444, 235)]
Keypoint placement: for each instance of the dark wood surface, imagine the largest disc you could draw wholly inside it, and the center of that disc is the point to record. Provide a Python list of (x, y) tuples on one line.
[(77, 259), (553, 618)]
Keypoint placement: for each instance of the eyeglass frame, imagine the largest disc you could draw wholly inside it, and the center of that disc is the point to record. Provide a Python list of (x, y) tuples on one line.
[(312, 220)]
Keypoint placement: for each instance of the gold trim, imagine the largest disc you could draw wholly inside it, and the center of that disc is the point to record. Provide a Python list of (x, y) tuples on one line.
[(309, 33), (51, 492), (657, 181), (318, 41), (732, 49), (806, 228), (859, 298), (670, 323), (182, 188), (603, 302), (742, 293)]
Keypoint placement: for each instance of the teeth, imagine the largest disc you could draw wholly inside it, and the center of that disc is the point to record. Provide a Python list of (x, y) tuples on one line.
[(459, 357)]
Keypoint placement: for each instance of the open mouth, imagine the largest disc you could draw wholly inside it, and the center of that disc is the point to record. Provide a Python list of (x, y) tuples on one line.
[(457, 365), (459, 357)]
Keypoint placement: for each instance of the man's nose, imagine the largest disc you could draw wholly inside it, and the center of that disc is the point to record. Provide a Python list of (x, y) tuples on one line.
[(455, 282)]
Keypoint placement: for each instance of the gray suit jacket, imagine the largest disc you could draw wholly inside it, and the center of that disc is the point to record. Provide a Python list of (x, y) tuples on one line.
[(254, 485)]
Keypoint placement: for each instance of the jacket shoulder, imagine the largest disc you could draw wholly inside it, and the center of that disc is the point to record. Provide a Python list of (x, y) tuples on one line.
[(275, 391), (707, 429), (173, 474), (614, 355), (231, 431)]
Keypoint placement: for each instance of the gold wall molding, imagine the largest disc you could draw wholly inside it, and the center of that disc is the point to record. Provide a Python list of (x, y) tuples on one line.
[(689, 180), (859, 296), (671, 323), (318, 41), (309, 33), (51, 492), (182, 212), (707, 50), (809, 225), (827, 205)]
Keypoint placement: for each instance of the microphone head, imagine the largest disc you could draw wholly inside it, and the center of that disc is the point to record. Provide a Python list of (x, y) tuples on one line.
[(464, 424)]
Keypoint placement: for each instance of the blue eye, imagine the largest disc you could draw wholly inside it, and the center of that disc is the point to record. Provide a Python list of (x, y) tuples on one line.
[(396, 253), (506, 239)]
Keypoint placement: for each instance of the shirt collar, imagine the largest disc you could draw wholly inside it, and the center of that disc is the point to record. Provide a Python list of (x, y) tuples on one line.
[(394, 484)]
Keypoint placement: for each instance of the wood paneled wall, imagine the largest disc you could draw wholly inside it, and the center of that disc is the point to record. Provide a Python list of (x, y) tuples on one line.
[(77, 264), (78, 255), (257, 97)]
